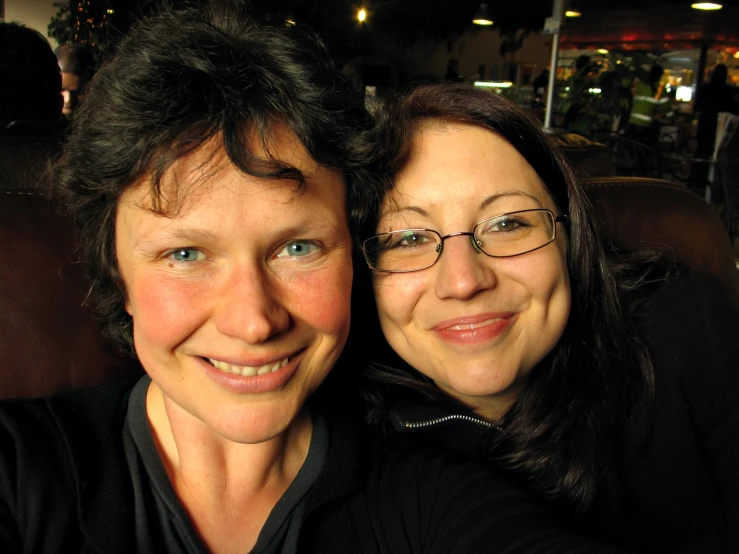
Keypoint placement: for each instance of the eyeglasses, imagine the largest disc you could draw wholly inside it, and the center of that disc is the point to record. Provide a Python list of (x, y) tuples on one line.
[(502, 236)]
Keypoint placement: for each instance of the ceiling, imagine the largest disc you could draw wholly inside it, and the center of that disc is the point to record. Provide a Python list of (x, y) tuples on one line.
[(412, 20)]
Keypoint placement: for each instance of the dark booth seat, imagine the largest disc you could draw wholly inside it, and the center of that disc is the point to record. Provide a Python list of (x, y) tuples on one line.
[(49, 338), (642, 213), (26, 150)]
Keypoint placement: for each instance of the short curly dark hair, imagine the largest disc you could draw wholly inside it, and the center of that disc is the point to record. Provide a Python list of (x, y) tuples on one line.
[(180, 79)]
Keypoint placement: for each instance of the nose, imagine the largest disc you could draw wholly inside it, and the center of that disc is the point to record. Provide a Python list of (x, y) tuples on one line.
[(249, 307), (462, 270)]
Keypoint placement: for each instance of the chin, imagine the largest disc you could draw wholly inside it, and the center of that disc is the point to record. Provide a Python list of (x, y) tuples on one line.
[(255, 424), (483, 383)]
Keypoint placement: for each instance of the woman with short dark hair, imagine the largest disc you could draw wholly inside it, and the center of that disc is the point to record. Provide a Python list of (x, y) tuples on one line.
[(605, 381)]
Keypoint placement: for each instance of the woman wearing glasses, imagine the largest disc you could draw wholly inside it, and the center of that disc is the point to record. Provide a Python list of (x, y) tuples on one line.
[(606, 382)]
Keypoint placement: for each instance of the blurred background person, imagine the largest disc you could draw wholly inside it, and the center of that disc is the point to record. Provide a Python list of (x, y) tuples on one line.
[(78, 67), (651, 105), (714, 97), (452, 71), (30, 82), (540, 84)]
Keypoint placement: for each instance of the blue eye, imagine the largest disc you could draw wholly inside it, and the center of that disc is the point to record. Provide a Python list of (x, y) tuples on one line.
[(298, 249), (187, 255)]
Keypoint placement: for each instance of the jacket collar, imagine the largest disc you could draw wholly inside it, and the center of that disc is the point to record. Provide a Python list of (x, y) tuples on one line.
[(443, 425)]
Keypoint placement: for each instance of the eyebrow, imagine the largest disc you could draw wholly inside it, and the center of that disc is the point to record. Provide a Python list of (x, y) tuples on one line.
[(492, 199), (484, 204), (179, 236)]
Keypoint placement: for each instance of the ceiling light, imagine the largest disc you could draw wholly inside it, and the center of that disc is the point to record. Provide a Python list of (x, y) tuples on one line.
[(706, 6), (572, 13), (361, 15), (482, 15), (602, 51)]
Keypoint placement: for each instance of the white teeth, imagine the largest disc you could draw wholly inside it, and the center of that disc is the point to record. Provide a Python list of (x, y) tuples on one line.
[(264, 369), (248, 371)]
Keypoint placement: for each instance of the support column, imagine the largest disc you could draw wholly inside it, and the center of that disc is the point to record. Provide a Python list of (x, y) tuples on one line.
[(558, 12)]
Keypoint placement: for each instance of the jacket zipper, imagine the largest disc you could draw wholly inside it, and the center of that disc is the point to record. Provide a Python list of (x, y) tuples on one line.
[(450, 417)]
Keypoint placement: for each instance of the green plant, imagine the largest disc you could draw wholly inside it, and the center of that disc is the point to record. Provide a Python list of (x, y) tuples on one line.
[(87, 22)]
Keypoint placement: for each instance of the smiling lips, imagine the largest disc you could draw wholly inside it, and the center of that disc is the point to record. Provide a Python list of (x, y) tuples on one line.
[(474, 329), (249, 371)]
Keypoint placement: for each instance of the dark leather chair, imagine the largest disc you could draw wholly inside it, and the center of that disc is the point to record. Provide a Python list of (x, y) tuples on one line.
[(641, 212), (586, 157), (25, 158), (50, 339)]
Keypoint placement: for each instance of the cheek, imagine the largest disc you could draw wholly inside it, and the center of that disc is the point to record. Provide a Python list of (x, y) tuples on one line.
[(547, 282), (396, 296), (323, 299), (165, 310)]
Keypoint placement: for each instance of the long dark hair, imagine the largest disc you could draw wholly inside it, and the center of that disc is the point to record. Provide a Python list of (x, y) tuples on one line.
[(560, 434)]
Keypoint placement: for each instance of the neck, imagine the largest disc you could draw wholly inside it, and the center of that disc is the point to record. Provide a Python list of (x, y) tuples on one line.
[(198, 459), (491, 408)]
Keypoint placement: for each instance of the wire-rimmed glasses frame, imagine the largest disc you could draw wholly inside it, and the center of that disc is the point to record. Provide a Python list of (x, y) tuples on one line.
[(371, 246)]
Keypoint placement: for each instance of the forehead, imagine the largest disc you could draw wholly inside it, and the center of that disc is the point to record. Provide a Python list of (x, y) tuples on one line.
[(457, 164), (194, 182)]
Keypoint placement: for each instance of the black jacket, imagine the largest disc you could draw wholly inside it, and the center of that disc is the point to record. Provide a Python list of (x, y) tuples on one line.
[(682, 493), (64, 488)]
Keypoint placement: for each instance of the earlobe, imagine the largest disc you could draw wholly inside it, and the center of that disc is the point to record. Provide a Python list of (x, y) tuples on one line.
[(127, 307)]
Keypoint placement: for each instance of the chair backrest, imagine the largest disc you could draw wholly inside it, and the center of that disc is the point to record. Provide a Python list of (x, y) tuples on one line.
[(586, 157), (25, 158), (50, 339), (640, 212)]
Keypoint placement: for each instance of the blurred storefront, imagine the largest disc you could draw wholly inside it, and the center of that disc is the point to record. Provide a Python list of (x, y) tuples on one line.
[(687, 43)]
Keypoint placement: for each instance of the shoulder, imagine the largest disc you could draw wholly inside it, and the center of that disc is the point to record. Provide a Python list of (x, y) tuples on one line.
[(427, 499), (692, 306), (50, 429), (60, 460), (38, 489), (692, 332)]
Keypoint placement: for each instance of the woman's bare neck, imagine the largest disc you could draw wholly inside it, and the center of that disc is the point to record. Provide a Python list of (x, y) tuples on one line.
[(221, 482)]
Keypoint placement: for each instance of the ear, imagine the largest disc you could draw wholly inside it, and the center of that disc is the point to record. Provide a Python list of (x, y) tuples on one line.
[(127, 307)]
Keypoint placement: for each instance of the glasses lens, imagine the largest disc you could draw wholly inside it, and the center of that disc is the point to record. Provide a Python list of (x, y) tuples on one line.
[(515, 233), (406, 250)]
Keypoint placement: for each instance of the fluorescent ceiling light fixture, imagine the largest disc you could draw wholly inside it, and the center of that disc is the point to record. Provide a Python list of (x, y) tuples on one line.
[(706, 6), (482, 15), (493, 84)]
